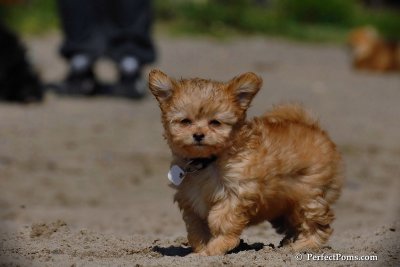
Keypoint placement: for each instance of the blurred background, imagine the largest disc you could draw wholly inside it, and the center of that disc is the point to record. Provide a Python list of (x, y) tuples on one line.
[(83, 179), (310, 20), (370, 28)]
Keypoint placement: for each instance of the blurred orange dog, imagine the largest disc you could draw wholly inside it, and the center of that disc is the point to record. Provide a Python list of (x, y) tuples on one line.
[(231, 173), (371, 52)]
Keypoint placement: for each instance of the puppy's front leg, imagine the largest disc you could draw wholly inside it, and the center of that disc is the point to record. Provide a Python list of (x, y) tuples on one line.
[(198, 233), (226, 222)]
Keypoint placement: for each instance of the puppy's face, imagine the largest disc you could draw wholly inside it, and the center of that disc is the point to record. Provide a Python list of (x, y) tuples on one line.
[(363, 41), (200, 116)]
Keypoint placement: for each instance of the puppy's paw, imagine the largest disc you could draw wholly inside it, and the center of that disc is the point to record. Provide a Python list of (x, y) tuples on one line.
[(304, 245), (193, 254), (208, 252), (204, 253), (197, 254), (286, 242)]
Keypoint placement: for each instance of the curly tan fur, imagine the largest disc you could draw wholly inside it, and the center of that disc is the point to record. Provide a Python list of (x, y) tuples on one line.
[(281, 167)]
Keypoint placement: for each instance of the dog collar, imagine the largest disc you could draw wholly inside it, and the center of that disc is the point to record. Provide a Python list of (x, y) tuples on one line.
[(176, 174), (198, 164)]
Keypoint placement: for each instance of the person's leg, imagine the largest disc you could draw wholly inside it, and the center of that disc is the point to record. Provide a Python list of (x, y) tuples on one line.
[(130, 44), (83, 42), (132, 32), (79, 23)]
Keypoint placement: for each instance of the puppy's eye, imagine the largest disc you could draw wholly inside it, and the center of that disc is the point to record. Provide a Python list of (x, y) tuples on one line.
[(186, 121), (215, 123)]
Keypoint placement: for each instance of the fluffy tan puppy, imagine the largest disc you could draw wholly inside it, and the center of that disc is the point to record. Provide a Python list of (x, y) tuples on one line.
[(233, 173)]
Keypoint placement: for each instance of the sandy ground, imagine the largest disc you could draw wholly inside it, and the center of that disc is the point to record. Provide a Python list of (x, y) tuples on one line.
[(83, 181)]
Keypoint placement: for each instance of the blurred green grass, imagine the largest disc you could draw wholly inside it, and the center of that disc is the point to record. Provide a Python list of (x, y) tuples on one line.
[(308, 20), (32, 17)]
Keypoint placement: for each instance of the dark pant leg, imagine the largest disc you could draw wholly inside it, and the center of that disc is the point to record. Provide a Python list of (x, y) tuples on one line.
[(130, 33), (82, 22)]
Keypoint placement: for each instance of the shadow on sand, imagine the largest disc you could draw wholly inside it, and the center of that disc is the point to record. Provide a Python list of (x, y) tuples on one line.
[(182, 251)]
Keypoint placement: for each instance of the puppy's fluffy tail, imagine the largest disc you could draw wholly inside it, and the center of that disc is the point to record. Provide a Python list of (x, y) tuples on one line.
[(294, 113)]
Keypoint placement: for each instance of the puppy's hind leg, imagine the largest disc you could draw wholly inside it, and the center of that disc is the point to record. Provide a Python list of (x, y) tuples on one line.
[(314, 228), (312, 212)]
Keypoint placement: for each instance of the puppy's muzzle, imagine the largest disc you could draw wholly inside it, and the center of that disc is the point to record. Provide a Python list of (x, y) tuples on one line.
[(198, 137)]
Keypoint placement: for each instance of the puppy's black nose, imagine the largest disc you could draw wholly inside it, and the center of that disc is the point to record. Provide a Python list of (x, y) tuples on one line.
[(198, 137)]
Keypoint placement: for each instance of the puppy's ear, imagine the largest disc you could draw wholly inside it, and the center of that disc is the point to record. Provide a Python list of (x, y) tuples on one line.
[(245, 87), (160, 85)]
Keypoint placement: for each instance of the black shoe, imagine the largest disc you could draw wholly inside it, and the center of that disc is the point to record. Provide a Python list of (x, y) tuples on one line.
[(81, 79), (131, 85), (79, 83)]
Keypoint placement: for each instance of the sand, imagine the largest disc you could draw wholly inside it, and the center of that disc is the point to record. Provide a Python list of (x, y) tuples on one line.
[(83, 180)]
